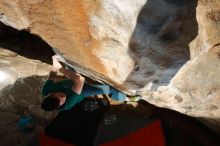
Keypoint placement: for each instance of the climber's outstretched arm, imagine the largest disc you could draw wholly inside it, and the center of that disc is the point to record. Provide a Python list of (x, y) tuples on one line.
[(78, 80)]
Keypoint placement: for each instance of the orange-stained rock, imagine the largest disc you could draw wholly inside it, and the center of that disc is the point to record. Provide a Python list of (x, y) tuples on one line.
[(112, 41), (69, 27), (166, 50)]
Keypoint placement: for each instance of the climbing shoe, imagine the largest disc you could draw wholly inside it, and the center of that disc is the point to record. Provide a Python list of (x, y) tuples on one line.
[(134, 98)]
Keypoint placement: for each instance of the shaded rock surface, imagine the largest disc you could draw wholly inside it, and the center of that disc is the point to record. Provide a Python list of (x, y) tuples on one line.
[(168, 53), (20, 82), (194, 90)]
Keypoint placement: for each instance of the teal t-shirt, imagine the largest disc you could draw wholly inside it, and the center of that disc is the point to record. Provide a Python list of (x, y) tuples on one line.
[(65, 87)]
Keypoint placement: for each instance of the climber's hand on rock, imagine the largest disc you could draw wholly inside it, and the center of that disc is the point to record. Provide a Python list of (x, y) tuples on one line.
[(56, 64)]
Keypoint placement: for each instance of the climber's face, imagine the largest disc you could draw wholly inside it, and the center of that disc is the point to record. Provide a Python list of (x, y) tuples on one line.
[(59, 95)]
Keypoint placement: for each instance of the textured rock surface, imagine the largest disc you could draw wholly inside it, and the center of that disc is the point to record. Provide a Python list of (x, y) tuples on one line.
[(208, 17), (135, 46), (20, 82), (113, 41), (195, 88)]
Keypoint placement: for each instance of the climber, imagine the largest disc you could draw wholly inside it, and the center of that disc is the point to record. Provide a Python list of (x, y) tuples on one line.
[(64, 94)]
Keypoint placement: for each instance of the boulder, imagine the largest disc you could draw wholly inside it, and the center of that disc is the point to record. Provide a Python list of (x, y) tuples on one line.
[(165, 50), (21, 80), (131, 45)]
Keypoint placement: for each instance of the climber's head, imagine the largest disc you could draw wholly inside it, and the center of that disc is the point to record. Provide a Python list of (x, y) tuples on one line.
[(53, 101)]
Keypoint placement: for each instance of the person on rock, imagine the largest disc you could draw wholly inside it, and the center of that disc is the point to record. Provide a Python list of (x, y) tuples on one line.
[(64, 94)]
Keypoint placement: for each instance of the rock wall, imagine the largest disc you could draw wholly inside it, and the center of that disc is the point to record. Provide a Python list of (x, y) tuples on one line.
[(194, 90), (165, 50), (131, 45), (21, 80)]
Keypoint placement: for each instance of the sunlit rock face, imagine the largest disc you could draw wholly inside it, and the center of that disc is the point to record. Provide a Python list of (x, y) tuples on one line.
[(20, 81), (132, 45), (195, 89), (165, 50)]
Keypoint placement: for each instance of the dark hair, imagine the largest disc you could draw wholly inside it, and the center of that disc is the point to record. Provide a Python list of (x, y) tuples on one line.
[(50, 103)]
